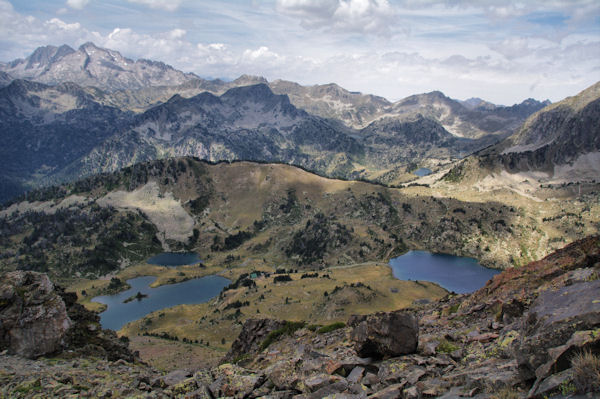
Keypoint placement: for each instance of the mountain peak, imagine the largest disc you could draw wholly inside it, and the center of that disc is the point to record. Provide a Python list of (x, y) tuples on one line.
[(99, 67), (247, 80), (88, 45), (258, 91)]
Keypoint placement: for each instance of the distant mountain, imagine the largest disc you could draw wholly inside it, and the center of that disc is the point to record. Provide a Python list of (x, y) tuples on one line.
[(563, 138), (476, 102), (5, 79), (249, 122), (116, 112), (562, 141), (139, 85), (332, 101), (93, 66), (44, 128)]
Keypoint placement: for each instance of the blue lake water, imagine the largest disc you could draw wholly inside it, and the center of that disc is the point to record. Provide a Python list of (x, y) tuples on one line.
[(422, 172), (174, 259), (188, 292), (454, 273)]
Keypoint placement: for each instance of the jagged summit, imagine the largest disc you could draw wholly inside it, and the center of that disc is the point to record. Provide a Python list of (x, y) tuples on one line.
[(91, 65)]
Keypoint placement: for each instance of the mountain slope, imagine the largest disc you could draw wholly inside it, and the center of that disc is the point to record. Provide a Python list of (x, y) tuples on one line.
[(144, 83), (44, 128), (90, 65), (560, 143), (271, 213), (248, 122)]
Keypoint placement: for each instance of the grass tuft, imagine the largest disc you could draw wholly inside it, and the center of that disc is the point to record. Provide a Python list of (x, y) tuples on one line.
[(586, 371), (288, 329), (331, 327)]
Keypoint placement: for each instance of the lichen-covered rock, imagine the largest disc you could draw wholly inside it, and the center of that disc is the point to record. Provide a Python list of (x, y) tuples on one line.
[(385, 334), (33, 316), (254, 332), (231, 380)]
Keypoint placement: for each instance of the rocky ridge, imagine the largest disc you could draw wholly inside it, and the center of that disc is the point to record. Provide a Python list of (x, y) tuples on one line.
[(516, 337), (559, 143), (91, 65)]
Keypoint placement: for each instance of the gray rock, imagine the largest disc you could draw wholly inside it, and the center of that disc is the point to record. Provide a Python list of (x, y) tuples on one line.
[(232, 380), (201, 393), (316, 382), (254, 332), (391, 392), (33, 316), (356, 374), (411, 393), (370, 379), (551, 322), (385, 334), (551, 384), (175, 377)]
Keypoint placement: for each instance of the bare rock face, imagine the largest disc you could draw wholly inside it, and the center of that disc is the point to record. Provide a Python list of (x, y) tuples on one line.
[(33, 316), (254, 332), (385, 334), (560, 323)]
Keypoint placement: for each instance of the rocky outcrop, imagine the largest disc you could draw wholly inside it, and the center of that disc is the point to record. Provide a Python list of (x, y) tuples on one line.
[(38, 319), (86, 336), (254, 332), (518, 339), (555, 328), (33, 316), (385, 334)]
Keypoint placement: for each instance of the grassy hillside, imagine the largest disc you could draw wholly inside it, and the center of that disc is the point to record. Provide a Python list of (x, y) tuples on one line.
[(247, 217)]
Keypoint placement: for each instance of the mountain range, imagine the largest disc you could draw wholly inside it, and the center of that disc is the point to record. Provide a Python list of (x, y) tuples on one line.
[(558, 144), (71, 113)]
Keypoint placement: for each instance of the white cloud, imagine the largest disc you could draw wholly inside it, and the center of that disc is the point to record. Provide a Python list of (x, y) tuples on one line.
[(168, 5), (462, 49), (361, 16), (56, 23), (77, 4)]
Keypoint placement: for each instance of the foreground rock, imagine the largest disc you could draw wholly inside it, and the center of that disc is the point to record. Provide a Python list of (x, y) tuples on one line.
[(555, 328), (39, 319), (385, 334), (33, 316), (254, 332), (514, 339)]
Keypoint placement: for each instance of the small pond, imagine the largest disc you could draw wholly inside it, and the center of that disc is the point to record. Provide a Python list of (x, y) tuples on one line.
[(193, 291), (422, 172), (174, 259), (454, 273)]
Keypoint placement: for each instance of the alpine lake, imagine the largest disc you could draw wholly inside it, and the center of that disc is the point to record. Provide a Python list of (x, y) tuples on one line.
[(454, 273)]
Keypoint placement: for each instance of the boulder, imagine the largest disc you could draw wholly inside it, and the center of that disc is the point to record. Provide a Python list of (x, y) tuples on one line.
[(385, 334), (547, 333), (390, 392), (33, 316), (232, 380), (254, 332)]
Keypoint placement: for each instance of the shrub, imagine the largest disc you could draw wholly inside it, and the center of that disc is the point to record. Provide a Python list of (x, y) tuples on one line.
[(446, 347), (331, 327), (586, 371), (282, 278), (288, 329)]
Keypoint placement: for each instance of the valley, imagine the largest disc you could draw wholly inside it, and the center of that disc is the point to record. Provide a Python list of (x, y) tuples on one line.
[(292, 200), (244, 218)]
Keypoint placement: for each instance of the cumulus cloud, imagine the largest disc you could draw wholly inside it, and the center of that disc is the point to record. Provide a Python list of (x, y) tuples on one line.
[(361, 16), (168, 5), (77, 4)]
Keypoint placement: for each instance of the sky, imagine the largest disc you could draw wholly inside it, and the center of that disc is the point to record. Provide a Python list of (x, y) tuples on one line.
[(498, 50)]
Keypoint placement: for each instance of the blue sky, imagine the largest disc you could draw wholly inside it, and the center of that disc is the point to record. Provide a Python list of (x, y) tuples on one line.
[(501, 51)]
